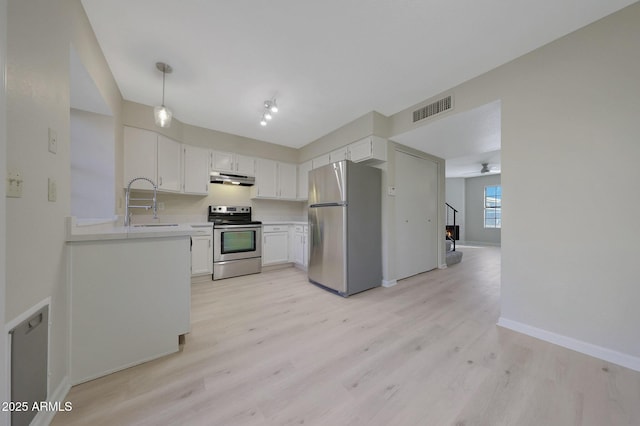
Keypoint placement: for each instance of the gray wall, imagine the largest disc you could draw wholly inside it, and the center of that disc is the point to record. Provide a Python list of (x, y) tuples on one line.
[(570, 139), (475, 232), (92, 165)]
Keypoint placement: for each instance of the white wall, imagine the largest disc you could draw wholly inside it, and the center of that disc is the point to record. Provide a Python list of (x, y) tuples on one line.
[(455, 196), (4, 416), (474, 211), (39, 35), (92, 165), (569, 141)]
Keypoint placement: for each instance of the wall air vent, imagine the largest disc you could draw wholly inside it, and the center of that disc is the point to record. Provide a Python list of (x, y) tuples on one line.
[(434, 108)]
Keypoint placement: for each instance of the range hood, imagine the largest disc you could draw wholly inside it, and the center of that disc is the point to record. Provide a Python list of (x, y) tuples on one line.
[(231, 179)]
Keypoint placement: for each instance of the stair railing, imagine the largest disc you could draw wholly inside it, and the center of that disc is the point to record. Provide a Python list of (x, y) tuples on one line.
[(453, 235)]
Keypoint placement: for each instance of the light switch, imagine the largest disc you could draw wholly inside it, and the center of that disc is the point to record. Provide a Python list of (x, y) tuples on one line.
[(14, 185), (53, 190), (53, 141)]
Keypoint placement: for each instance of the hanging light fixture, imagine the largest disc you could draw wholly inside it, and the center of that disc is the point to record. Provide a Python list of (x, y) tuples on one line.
[(270, 107), (161, 113)]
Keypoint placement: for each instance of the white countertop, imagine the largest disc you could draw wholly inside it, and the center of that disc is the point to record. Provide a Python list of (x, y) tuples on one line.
[(284, 222), (114, 230)]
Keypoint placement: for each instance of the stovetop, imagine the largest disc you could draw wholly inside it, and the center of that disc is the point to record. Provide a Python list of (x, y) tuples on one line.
[(231, 215)]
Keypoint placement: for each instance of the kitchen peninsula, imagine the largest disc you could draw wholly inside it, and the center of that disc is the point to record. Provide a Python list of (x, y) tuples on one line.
[(129, 294)]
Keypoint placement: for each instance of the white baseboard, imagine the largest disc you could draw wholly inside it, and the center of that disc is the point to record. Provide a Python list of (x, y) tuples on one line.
[(44, 418), (590, 349), (389, 283)]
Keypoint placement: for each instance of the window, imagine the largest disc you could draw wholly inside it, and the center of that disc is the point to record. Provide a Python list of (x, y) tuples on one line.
[(493, 206)]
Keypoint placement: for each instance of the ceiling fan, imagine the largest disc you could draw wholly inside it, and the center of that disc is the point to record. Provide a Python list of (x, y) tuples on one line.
[(484, 169)]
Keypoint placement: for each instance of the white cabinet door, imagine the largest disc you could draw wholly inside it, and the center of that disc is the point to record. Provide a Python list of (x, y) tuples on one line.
[(201, 255), (300, 255), (196, 170), (369, 149), (140, 156), (338, 155), (275, 247), (266, 178), (169, 164), (320, 161), (245, 166), (287, 181), (222, 161), (298, 248), (303, 180)]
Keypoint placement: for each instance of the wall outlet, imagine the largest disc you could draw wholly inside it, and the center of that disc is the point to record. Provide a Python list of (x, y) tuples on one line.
[(53, 141), (14, 185), (53, 190), (391, 190), (161, 206)]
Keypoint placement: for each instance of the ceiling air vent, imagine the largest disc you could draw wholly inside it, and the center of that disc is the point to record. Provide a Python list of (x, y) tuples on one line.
[(432, 109)]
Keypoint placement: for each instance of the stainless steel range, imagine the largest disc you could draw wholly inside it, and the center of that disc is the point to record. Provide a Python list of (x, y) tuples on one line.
[(237, 242)]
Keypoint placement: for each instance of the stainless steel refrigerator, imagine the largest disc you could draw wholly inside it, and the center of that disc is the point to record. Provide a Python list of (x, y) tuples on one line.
[(345, 236)]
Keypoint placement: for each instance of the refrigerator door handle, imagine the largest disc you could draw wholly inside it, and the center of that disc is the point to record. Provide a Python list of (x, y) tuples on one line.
[(339, 204)]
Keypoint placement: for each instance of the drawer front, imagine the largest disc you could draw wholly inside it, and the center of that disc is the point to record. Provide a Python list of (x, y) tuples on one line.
[(274, 228)]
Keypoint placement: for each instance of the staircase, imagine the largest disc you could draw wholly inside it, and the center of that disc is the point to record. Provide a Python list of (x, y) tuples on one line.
[(452, 256)]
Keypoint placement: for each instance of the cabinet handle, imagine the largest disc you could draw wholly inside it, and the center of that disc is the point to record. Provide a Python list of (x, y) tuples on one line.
[(209, 243), (160, 180)]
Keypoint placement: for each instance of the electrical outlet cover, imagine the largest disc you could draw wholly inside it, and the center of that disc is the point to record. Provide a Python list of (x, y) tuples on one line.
[(53, 191), (53, 141)]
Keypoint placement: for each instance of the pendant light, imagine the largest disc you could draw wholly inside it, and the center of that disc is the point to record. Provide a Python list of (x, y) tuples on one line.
[(161, 113)]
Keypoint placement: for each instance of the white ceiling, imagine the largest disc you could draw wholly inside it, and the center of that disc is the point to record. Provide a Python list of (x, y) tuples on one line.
[(327, 62)]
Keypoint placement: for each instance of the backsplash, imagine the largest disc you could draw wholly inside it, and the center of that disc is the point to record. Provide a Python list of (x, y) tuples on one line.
[(194, 208)]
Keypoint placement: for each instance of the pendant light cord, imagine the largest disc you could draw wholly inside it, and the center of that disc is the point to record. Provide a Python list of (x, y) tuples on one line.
[(164, 73)]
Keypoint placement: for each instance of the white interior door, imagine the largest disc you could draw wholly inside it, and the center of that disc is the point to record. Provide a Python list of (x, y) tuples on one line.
[(416, 215)]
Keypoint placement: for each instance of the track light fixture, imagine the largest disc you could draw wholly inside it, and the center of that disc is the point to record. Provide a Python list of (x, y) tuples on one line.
[(161, 113), (270, 108)]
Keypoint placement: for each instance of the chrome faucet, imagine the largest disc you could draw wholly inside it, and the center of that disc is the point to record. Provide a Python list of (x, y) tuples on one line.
[(153, 206)]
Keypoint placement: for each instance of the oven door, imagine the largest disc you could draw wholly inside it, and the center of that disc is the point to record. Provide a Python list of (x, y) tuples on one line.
[(234, 242)]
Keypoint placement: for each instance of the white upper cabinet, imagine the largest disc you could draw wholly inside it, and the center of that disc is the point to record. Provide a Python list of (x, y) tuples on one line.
[(196, 170), (266, 185), (275, 180), (222, 161), (339, 155), (140, 156), (169, 164), (287, 181), (245, 165), (303, 180), (233, 163), (371, 149), (320, 161)]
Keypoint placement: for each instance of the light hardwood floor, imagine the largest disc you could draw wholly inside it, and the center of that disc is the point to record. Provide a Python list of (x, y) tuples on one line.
[(272, 349)]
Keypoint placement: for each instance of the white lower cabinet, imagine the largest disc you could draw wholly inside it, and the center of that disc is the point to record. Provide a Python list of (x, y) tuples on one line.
[(201, 255), (300, 246), (275, 244)]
